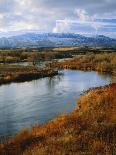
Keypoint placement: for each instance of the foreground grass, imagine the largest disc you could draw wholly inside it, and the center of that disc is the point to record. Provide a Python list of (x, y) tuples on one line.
[(14, 73), (90, 129)]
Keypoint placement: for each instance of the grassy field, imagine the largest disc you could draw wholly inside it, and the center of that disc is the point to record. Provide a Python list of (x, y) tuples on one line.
[(90, 129)]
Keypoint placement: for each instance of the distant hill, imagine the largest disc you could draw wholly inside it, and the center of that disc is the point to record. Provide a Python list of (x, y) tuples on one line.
[(55, 40)]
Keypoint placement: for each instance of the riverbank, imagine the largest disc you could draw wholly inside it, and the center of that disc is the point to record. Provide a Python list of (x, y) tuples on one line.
[(16, 73), (104, 62), (89, 129)]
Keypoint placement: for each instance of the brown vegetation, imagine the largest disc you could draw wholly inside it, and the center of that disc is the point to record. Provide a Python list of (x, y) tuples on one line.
[(90, 129), (35, 54), (105, 62), (13, 73)]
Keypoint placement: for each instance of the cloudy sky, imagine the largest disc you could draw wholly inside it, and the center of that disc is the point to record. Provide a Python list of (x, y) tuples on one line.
[(88, 17)]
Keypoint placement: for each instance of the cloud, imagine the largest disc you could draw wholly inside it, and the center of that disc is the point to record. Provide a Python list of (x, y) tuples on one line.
[(82, 20), (86, 24), (62, 26), (82, 15), (56, 16)]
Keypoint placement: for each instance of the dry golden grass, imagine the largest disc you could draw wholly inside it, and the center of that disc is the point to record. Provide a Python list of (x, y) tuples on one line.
[(63, 49), (90, 129), (104, 62)]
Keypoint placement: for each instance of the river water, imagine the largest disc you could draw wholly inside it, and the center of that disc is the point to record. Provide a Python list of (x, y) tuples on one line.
[(25, 104)]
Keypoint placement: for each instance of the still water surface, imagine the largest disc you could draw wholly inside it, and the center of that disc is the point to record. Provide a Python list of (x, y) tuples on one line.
[(38, 101)]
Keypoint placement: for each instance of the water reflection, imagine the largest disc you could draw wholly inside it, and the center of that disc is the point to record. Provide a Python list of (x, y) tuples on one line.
[(53, 81), (104, 75)]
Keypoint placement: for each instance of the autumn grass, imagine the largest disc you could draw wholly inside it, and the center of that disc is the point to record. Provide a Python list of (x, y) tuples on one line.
[(102, 62), (15, 73), (90, 129), (66, 49)]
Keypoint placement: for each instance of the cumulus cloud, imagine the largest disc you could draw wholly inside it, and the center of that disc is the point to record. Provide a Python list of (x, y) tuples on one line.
[(62, 26), (82, 15)]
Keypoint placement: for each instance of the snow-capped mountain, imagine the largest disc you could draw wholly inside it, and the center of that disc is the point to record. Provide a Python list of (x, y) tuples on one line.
[(55, 39)]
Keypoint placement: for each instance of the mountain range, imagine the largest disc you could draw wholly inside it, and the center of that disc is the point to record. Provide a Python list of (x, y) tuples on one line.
[(55, 40)]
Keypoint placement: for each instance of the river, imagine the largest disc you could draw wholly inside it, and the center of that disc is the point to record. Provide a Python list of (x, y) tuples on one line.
[(25, 104)]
